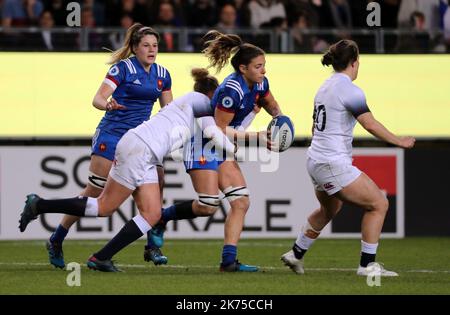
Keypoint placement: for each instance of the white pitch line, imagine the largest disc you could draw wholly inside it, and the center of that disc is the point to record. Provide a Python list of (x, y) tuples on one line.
[(137, 266), (167, 242)]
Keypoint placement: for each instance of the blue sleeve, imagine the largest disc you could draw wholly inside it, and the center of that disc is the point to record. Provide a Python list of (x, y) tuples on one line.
[(228, 100), (167, 82), (117, 73), (355, 102)]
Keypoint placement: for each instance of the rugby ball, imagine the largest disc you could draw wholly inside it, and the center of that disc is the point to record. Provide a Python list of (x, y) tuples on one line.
[(281, 132)]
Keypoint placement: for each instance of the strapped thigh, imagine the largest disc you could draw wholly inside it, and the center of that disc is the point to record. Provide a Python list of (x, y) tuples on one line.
[(233, 193), (206, 200), (96, 180)]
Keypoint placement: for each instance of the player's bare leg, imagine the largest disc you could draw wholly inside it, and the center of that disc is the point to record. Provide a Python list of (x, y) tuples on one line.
[(99, 166), (365, 193), (329, 207)]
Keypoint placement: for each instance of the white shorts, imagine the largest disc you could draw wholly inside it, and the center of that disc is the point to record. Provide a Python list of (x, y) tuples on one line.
[(331, 177), (134, 164)]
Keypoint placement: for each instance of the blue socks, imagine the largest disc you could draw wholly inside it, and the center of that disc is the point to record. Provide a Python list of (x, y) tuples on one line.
[(229, 254), (169, 214), (59, 235)]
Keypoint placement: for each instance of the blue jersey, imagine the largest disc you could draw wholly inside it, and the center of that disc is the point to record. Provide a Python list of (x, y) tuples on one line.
[(137, 90), (234, 96)]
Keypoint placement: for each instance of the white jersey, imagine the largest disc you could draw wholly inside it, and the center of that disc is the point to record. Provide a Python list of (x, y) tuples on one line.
[(336, 106), (176, 122)]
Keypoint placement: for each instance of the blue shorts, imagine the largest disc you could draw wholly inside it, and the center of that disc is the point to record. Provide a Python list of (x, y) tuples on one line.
[(104, 144), (196, 157)]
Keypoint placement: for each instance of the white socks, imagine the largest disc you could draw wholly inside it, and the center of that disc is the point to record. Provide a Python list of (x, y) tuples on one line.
[(369, 248), (91, 207), (307, 237), (142, 224)]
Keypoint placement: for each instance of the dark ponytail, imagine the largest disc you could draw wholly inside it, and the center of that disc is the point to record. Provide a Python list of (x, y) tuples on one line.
[(341, 54), (219, 48)]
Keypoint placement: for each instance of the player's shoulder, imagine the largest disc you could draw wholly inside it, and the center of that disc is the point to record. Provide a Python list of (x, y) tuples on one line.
[(161, 71), (127, 65), (232, 86), (349, 90), (355, 91)]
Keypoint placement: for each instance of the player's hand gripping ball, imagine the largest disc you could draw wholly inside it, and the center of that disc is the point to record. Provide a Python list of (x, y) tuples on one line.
[(281, 133)]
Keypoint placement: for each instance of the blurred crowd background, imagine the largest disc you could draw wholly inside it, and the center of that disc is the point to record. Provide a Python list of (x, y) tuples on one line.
[(278, 26)]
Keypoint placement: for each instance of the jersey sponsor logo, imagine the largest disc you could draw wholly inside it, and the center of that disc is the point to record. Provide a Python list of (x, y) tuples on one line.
[(328, 186), (160, 85), (227, 102), (137, 82), (114, 71), (102, 147)]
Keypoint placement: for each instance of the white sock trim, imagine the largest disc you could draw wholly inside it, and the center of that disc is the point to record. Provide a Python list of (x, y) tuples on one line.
[(304, 242), (142, 224), (91, 207), (308, 226), (368, 248)]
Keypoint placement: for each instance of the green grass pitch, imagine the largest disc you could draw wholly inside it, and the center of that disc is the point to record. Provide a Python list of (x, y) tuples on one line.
[(423, 265)]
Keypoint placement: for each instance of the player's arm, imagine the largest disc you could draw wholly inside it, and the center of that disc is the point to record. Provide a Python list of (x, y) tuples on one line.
[(270, 105), (101, 102), (165, 98), (223, 119), (250, 117), (368, 121), (213, 132), (166, 95), (355, 103)]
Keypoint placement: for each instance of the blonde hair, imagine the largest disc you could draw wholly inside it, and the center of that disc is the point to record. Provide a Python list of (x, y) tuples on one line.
[(132, 38)]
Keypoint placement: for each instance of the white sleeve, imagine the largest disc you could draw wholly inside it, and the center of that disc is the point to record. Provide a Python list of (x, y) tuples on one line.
[(248, 120), (210, 130)]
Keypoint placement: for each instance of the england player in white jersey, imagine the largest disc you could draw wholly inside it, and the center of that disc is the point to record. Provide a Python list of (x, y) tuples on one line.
[(338, 105), (137, 155)]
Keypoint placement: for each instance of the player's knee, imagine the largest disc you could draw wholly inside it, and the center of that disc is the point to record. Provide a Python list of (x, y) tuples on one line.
[(208, 204), (238, 197), (380, 205), (384, 204), (152, 217), (241, 204), (206, 210)]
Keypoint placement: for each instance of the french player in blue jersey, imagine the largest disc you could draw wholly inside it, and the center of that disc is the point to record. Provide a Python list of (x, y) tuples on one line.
[(234, 104), (134, 170), (127, 94)]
